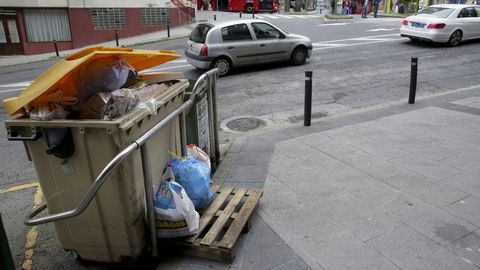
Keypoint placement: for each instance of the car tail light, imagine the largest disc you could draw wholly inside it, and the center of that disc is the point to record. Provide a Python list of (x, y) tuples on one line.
[(404, 22), (436, 26), (204, 50)]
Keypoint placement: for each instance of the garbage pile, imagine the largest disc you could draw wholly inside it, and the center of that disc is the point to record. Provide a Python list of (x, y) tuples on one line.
[(184, 188), (95, 83), (106, 89)]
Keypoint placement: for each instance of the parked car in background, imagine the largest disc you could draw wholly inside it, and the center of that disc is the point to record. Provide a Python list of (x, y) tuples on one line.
[(225, 45), (446, 23)]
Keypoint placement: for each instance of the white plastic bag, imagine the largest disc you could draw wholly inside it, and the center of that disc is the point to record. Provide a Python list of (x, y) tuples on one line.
[(147, 98), (197, 153), (174, 212), (52, 106)]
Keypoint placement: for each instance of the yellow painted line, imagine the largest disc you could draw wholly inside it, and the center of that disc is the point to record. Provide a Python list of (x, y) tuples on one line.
[(20, 187), (31, 238)]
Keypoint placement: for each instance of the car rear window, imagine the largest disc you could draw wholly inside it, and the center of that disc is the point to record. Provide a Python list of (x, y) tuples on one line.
[(199, 34), (439, 12)]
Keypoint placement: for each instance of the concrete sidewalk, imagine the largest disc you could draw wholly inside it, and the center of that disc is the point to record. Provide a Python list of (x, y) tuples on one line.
[(392, 188)]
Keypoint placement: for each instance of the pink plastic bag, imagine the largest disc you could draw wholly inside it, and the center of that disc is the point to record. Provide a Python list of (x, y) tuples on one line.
[(197, 153)]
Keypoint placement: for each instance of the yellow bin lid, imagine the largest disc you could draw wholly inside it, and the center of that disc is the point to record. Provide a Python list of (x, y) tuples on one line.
[(63, 71)]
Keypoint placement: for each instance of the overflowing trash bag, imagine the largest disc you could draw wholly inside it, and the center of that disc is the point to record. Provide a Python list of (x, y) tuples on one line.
[(101, 75), (174, 211), (95, 83), (197, 153), (54, 106), (194, 177), (109, 106)]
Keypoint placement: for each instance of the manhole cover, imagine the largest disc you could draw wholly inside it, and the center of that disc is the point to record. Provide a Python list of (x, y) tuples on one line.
[(245, 124)]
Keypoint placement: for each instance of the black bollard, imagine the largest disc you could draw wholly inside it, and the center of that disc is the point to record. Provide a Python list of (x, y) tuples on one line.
[(413, 80), (214, 17), (116, 37), (6, 261), (56, 47), (307, 116), (240, 14), (168, 30), (253, 13)]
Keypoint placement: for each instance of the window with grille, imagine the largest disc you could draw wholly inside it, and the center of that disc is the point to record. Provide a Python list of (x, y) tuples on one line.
[(108, 18), (155, 16)]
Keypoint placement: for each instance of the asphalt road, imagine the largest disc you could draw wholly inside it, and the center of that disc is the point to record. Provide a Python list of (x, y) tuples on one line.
[(355, 65)]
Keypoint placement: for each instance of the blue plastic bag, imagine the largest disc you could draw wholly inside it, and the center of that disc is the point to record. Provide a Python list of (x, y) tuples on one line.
[(194, 176)]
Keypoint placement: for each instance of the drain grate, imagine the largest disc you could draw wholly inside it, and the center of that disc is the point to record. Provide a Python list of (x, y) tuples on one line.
[(245, 124), (298, 118)]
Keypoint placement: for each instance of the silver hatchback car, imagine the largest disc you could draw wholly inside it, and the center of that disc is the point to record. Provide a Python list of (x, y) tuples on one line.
[(224, 45)]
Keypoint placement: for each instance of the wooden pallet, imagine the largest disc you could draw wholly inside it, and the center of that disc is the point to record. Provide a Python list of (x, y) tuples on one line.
[(221, 224)]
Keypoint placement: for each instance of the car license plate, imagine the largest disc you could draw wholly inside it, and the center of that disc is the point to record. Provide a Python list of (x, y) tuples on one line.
[(418, 25)]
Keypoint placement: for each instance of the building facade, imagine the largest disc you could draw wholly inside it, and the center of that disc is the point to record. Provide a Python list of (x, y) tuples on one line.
[(30, 27)]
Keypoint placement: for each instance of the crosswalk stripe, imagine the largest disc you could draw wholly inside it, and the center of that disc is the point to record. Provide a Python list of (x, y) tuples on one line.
[(286, 16), (271, 16), (12, 90), (330, 45), (332, 24), (19, 84)]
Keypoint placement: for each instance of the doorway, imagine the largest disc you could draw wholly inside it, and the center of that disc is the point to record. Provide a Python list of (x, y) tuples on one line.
[(9, 37)]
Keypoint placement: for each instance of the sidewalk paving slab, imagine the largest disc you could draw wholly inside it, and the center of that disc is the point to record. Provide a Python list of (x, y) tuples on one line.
[(349, 192)]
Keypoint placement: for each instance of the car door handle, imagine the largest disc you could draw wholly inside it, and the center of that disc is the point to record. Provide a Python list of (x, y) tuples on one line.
[(231, 48), (262, 45)]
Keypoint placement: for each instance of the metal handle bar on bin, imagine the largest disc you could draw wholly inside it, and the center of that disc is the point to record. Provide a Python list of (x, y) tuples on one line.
[(30, 220), (201, 79)]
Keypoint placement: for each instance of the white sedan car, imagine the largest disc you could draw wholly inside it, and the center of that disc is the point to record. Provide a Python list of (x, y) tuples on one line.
[(447, 23)]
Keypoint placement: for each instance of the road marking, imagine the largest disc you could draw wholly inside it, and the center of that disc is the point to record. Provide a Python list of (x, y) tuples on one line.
[(354, 44), (31, 238), (286, 16), (329, 45), (20, 187), (380, 20), (158, 69), (19, 84), (382, 29), (334, 24), (370, 39), (11, 90), (178, 61), (269, 16), (347, 39)]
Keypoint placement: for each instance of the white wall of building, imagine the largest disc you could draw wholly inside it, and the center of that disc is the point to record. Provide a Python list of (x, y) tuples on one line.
[(85, 3), (34, 3)]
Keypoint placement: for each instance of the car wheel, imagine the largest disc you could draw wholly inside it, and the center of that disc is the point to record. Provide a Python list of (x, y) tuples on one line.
[(299, 55), (455, 38), (249, 8), (223, 65)]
